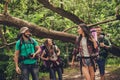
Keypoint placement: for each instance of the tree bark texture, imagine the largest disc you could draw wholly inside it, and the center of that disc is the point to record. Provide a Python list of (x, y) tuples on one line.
[(61, 12), (36, 30)]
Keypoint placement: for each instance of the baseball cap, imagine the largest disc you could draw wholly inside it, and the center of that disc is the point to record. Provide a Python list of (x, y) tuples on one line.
[(23, 29)]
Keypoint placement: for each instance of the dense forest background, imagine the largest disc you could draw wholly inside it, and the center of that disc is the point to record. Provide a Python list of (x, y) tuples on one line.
[(38, 12)]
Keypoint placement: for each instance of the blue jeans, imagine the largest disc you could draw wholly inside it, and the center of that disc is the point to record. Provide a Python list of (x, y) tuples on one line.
[(30, 68), (52, 72), (101, 65)]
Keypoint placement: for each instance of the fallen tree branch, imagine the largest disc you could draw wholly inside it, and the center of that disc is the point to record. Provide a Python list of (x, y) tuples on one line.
[(91, 25), (98, 23), (69, 28), (61, 12), (38, 31), (9, 44)]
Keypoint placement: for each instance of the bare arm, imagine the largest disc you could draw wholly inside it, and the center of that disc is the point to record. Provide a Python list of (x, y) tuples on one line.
[(16, 55), (75, 51), (37, 48), (73, 58), (16, 61), (103, 45), (42, 56), (94, 42)]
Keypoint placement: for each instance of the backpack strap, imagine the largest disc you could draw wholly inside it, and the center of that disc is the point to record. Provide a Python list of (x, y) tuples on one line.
[(21, 42), (32, 41), (55, 48), (21, 58)]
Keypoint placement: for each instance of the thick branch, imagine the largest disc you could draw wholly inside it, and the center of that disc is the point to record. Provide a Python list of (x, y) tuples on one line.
[(6, 6), (36, 30), (69, 28), (9, 44), (91, 25), (3, 38), (106, 21), (61, 12)]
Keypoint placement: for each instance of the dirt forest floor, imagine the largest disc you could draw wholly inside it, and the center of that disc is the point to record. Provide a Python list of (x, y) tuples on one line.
[(73, 73)]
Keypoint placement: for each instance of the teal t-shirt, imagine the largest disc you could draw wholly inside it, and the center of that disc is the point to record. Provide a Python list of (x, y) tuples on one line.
[(27, 48)]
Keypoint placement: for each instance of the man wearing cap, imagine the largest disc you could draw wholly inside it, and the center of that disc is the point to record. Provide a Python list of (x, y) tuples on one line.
[(26, 48)]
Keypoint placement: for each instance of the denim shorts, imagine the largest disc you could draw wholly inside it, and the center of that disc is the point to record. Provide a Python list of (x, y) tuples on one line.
[(101, 65), (87, 62)]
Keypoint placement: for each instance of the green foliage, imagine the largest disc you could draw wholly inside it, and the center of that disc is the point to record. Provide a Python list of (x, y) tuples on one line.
[(115, 61), (44, 76), (91, 11), (10, 70), (3, 68), (7, 66)]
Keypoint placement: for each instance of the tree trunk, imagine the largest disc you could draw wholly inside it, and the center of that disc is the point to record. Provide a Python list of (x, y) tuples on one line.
[(36, 30), (61, 12)]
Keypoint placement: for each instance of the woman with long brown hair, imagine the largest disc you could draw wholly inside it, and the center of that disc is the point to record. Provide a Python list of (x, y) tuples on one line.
[(51, 55), (86, 48)]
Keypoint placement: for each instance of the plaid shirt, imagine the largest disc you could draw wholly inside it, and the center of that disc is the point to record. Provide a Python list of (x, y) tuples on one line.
[(91, 50)]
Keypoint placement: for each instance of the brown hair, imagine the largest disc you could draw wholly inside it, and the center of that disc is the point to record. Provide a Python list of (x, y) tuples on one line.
[(85, 29), (99, 27)]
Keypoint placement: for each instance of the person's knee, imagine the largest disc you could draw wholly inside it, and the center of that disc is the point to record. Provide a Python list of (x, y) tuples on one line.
[(92, 73)]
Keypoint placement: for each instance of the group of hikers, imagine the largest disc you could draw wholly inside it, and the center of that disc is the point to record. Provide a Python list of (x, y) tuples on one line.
[(89, 48)]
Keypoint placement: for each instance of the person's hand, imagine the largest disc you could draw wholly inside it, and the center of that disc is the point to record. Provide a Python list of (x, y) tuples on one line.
[(32, 55), (18, 70), (47, 59), (72, 64), (58, 55), (102, 44), (92, 39)]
